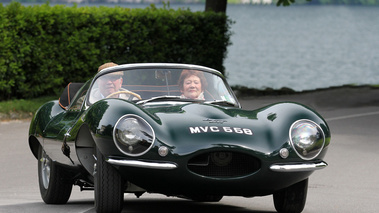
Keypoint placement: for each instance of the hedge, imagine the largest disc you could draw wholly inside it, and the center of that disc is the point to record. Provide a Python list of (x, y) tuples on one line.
[(44, 47)]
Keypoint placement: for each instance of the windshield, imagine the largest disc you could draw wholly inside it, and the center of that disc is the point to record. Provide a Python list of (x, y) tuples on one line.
[(142, 85)]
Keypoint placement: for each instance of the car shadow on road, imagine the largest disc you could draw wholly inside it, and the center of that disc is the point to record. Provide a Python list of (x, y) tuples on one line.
[(182, 206), (133, 206)]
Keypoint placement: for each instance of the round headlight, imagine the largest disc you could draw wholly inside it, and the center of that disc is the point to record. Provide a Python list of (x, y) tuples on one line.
[(133, 135), (307, 139)]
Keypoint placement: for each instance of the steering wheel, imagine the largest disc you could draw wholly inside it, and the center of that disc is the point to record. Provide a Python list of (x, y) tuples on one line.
[(125, 92)]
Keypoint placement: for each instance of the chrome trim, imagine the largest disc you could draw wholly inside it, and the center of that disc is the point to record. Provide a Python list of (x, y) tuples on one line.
[(294, 146), (142, 164), (298, 167), (159, 66), (140, 119)]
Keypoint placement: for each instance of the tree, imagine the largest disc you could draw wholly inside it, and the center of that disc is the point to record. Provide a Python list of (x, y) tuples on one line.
[(220, 5), (216, 5), (286, 2)]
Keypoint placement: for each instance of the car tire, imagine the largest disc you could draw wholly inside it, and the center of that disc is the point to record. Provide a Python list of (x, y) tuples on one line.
[(109, 185), (54, 187), (291, 199)]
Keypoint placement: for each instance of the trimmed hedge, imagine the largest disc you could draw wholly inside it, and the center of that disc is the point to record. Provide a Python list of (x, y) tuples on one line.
[(44, 47)]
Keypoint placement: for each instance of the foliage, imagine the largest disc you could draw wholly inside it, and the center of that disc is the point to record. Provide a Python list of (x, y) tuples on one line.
[(43, 47)]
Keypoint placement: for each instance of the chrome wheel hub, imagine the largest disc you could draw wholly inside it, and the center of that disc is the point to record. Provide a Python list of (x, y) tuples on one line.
[(45, 170)]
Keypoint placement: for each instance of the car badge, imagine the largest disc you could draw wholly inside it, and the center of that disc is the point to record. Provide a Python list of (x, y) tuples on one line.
[(215, 121)]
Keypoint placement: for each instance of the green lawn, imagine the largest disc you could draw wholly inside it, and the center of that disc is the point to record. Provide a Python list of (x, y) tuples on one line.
[(21, 109)]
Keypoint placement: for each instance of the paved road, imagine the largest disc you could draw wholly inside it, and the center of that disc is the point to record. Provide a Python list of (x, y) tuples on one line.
[(349, 184)]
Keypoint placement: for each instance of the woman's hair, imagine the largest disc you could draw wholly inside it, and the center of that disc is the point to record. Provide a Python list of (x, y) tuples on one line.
[(187, 73)]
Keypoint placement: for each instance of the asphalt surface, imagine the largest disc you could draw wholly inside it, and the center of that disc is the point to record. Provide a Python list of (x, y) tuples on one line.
[(349, 184)]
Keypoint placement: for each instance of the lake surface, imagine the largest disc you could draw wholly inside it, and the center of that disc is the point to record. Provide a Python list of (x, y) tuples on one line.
[(300, 47), (303, 47)]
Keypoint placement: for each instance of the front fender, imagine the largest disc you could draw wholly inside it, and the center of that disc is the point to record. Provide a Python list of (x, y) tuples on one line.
[(279, 117), (102, 116), (39, 122), (286, 113)]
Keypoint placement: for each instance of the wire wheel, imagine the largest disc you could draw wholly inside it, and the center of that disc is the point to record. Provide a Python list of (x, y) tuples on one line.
[(55, 187)]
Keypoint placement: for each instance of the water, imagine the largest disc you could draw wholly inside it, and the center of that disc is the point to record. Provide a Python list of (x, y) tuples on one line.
[(300, 47), (303, 47)]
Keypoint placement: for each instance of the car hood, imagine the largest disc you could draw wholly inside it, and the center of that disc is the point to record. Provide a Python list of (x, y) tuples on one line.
[(192, 126), (186, 128)]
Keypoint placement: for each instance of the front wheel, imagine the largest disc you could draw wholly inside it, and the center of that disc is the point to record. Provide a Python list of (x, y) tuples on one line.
[(54, 187), (292, 199), (109, 185)]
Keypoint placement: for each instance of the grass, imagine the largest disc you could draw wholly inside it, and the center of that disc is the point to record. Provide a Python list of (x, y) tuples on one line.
[(22, 108)]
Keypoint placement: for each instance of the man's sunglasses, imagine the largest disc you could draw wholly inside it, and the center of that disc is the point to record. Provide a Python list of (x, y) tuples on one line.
[(111, 78)]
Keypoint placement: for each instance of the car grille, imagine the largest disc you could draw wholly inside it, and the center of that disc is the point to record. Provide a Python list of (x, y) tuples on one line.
[(224, 164)]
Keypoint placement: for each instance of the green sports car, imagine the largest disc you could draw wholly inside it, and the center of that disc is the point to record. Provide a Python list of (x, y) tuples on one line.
[(177, 130)]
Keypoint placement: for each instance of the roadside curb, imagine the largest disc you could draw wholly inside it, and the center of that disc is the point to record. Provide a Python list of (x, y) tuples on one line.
[(330, 98)]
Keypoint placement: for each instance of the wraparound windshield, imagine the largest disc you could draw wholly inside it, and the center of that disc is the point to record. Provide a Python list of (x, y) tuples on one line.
[(146, 84)]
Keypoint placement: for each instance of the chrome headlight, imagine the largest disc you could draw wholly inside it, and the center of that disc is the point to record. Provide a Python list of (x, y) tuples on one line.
[(133, 135), (307, 139)]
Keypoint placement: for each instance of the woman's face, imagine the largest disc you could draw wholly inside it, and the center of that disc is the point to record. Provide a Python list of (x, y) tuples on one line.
[(192, 87)]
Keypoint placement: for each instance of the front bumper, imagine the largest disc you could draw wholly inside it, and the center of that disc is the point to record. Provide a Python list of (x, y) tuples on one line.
[(298, 167), (142, 164), (295, 167), (180, 180)]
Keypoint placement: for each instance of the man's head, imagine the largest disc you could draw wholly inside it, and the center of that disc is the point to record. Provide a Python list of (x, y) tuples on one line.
[(110, 82), (106, 65)]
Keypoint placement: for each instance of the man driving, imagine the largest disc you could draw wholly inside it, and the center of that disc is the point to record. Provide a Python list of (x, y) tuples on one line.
[(110, 86)]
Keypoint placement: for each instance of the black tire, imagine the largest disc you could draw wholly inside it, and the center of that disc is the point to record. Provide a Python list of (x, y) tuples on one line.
[(291, 199), (109, 185), (54, 187)]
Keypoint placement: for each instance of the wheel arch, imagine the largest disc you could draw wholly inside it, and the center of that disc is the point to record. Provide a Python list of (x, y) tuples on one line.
[(85, 148), (34, 145)]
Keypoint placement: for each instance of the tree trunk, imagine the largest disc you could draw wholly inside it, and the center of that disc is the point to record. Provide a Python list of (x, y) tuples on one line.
[(216, 5)]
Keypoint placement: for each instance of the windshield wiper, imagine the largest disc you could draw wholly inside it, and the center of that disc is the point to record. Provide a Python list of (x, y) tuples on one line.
[(221, 102), (160, 98)]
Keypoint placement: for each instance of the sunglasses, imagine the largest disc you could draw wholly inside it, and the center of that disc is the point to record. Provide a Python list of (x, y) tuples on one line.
[(110, 78)]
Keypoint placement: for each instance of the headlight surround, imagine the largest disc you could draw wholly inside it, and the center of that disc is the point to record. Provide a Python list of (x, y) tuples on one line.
[(133, 135), (307, 139)]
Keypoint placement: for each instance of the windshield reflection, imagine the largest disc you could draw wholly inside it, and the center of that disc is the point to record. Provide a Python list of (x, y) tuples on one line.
[(156, 84)]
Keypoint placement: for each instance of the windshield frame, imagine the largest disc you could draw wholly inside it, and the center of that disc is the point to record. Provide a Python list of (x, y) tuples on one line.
[(126, 67)]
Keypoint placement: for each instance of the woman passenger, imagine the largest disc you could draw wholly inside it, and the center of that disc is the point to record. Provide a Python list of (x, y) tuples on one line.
[(192, 84)]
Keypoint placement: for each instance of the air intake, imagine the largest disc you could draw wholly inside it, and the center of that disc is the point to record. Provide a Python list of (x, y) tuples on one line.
[(224, 164)]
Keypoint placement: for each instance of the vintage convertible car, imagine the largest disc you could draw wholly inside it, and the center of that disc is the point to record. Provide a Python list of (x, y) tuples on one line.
[(146, 135)]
